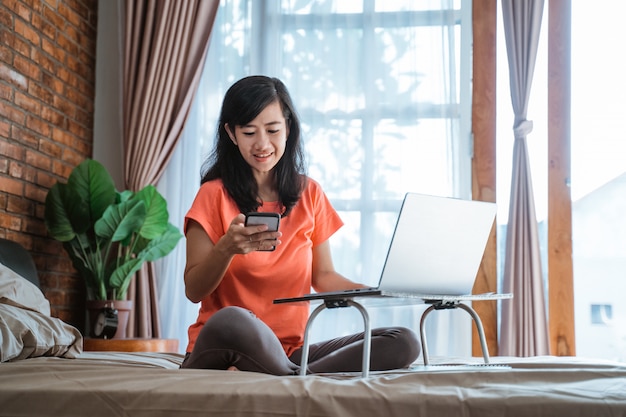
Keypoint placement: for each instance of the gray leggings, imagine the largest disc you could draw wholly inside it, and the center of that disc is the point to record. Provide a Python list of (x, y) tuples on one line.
[(234, 336)]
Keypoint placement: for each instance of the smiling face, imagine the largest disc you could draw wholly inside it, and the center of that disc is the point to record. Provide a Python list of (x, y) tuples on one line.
[(262, 141)]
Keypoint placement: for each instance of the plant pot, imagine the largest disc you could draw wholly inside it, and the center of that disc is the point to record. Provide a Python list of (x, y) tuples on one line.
[(123, 308)]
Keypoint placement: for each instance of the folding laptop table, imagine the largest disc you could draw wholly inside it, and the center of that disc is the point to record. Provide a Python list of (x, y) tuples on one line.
[(437, 302)]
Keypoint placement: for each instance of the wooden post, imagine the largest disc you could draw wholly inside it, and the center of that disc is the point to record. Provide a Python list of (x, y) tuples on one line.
[(560, 267), (484, 25)]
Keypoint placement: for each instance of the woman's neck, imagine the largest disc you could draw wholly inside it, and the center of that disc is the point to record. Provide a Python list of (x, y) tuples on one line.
[(267, 189)]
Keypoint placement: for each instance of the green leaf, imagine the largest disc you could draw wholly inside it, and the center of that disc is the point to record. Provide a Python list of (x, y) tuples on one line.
[(162, 245), (94, 186), (121, 220), (56, 216), (156, 212), (124, 196), (121, 277)]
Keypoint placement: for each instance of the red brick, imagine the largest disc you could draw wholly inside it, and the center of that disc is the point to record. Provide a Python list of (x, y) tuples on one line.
[(62, 168), (11, 150), (12, 113), (18, 8), (6, 55), (38, 160), (87, 59), (48, 280), (12, 186), (50, 148), (86, 88), (66, 105), (40, 208), (44, 62), (89, 28), (45, 180), (49, 246), (35, 193), (84, 118), (55, 117), (26, 31), (6, 19), (25, 240), (81, 100), (53, 50), (53, 17), (41, 93), (20, 206), (65, 76), (72, 157), (27, 103), (69, 14), (19, 46), (10, 221), (22, 171), (4, 129), (68, 45), (34, 226), (38, 125), (26, 138), (53, 83), (78, 130), (27, 67), (61, 136), (82, 8), (45, 28), (59, 264)]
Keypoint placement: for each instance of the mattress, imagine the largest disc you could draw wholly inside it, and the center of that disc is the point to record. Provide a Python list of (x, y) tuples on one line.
[(151, 384)]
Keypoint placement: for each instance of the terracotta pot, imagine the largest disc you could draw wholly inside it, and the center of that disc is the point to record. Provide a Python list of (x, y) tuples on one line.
[(123, 308)]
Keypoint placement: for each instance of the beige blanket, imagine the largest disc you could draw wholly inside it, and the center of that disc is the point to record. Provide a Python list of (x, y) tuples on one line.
[(150, 384)]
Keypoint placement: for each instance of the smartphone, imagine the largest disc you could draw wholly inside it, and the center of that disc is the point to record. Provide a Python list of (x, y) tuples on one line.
[(272, 220)]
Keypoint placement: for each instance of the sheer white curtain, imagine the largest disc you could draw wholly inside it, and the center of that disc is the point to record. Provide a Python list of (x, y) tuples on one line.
[(381, 91)]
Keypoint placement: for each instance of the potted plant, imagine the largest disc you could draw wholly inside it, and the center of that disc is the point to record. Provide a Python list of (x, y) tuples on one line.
[(108, 234)]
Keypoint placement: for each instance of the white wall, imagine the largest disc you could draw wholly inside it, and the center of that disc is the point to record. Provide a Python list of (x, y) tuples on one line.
[(107, 137)]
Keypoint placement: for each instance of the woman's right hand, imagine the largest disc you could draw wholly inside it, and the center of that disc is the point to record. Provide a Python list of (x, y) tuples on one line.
[(241, 239), (207, 262)]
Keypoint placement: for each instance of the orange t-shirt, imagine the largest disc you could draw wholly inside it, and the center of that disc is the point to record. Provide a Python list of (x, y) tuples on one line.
[(254, 280)]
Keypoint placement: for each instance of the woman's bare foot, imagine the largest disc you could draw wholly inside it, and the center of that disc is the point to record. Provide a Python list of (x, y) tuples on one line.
[(232, 368)]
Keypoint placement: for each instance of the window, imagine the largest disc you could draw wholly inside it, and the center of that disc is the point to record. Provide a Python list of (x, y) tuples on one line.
[(598, 171), (601, 314), (383, 92), (598, 179)]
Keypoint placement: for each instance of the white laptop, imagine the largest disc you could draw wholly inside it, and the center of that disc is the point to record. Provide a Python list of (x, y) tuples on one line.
[(435, 251)]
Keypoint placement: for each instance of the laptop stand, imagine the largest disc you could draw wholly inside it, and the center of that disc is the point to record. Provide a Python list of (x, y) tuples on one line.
[(437, 303), (334, 303)]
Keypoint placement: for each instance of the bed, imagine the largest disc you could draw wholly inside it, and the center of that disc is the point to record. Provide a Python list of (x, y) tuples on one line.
[(150, 384), (44, 372)]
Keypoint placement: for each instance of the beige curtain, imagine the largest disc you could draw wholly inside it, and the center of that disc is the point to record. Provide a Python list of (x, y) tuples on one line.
[(524, 325), (165, 45)]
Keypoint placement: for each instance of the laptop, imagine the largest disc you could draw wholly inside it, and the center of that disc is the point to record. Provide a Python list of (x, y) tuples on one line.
[(435, 251)]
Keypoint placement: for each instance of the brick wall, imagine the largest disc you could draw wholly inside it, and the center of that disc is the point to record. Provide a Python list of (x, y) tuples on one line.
[(47, 87)]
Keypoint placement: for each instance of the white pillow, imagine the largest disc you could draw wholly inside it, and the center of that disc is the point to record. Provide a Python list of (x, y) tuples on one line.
[(29, 334), (26, 328), (20, 292)]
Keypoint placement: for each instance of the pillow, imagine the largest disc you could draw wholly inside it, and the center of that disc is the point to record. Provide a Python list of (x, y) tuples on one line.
[(18, 291), (29, 334), (26, 328)]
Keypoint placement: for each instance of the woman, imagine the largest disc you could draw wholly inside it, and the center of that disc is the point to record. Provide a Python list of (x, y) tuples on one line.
[(258, 165)]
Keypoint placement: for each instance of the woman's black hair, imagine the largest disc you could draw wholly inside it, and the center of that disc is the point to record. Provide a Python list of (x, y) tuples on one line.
[(243, 102)]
